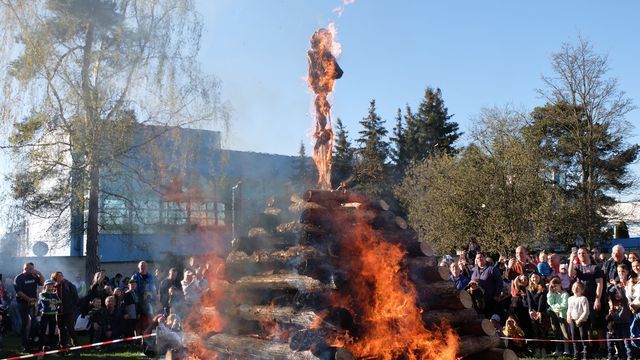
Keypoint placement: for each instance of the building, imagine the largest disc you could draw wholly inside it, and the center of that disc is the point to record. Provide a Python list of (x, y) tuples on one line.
[(179, 193)]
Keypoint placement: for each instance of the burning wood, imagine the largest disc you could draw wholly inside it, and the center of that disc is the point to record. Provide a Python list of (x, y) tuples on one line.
[(347, 279)]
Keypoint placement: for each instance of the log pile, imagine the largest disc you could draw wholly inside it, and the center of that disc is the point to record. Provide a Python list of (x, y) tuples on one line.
[(283, 275)]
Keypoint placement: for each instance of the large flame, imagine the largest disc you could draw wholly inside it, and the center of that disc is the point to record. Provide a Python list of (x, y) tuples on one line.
[(323, 71), (385, 301)]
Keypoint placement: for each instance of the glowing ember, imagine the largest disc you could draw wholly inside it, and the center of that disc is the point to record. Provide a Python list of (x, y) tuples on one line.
[(323, 71), (385, 300)]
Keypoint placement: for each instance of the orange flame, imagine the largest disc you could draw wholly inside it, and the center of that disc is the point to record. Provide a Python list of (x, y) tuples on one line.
[(385, 300), (205, 319), (323, 71)]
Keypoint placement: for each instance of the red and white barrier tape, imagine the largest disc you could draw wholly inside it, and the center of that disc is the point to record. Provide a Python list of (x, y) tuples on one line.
[(73, 348), (565, 341)]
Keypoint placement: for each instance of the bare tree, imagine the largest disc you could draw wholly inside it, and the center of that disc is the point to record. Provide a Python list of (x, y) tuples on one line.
[(80, 77)]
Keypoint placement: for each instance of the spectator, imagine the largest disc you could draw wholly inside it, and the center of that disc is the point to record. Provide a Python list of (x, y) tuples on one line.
[(577, 318), (145, 290), (611, 265), (520, 265), (175, 303), (97, 287), (26, 286), (97, 320), (564, 277), (595, 257), (191, 289), (473, 249), (590, 275), (520, 303), (459, 280), (48, 307), (116, 282), (554, 262), (464, 266), (537, 302), (618, 319), (131, 306), (81, 286), (513, 330), (490, 279), (557, 299), (114, 319), (67, 317), (633, 256), (108, 291), (170, 281), (118, 294), (544, 269)]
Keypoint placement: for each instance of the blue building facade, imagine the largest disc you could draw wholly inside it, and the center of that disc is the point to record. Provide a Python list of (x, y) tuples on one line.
[(175, 196)]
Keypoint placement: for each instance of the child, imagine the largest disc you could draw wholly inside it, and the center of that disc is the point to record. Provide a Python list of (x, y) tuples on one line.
[(618, 320), (98, 318), (512, 330), (565, 279), (48, 305), (543, 266), (114, 319), (619, 316), (557, 299), (577, 316)]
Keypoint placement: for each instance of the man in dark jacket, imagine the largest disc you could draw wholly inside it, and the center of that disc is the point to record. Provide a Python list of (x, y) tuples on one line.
[(26, 285), (68, 294), (489, 279), (170, 281)]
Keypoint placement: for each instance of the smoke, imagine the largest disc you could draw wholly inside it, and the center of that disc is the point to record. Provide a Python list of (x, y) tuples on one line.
[(340, 9)]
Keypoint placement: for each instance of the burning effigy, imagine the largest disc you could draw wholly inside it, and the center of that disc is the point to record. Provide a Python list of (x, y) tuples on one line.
[(335, 275), (323, 72)]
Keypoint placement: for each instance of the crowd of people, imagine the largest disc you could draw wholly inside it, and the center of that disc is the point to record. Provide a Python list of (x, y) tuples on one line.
[(586, 295), (46, 312)]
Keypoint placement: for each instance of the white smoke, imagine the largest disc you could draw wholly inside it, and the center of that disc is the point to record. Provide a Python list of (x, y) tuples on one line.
[(340, 9)]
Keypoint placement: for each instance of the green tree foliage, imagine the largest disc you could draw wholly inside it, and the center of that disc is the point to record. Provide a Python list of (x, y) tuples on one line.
[(494, 191), (343, 156), (580, 132), (305, 174), (371, 172), (400, 146), (431, 127), (79, 77)]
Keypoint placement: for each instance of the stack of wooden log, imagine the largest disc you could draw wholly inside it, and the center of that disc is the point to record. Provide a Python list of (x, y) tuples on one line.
[(283, 277)]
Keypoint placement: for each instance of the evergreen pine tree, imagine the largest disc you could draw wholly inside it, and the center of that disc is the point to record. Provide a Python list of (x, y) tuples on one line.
[(303, 171), (342, 156), (434, 133), (399, 151), (372, 152)]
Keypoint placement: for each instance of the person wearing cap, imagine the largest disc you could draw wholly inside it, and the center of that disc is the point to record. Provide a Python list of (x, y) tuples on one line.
[(48, 306)]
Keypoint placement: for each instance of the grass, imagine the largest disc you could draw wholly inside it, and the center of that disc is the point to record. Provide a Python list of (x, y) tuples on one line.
[(12, 347)]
